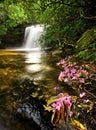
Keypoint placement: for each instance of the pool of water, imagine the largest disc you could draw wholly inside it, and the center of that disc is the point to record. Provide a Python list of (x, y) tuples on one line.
[(15, 66)]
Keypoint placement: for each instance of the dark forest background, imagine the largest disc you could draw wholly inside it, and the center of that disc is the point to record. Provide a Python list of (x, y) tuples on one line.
[(72, 24)]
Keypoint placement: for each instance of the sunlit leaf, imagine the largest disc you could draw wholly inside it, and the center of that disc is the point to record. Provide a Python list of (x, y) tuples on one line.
[(79, 106), (91, 105), (52, 117), (74, 98), (47, 108), (85, 105), (78, 124), (51, 100)]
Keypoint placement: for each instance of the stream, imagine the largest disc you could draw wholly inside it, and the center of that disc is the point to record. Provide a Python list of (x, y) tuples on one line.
[(26, 79)]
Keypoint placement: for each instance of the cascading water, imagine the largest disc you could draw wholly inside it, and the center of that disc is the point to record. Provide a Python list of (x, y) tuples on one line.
[(32, 36)]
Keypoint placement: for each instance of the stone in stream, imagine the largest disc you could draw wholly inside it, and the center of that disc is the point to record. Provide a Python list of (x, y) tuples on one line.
[(34, 111)]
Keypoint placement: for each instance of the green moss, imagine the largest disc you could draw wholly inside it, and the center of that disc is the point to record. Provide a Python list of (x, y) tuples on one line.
[(86, 45), (86, 39)]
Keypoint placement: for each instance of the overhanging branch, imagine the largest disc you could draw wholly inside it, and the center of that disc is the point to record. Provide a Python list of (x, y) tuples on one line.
[(89, 17), (60, 2)]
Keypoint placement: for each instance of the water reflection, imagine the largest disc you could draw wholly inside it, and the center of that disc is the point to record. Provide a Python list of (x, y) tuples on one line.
[(33, 60), (35, 63), (33, 68), (33, 57)]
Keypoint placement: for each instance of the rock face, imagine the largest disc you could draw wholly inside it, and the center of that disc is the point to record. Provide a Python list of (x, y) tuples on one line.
[(14, 37), (86, 39), (35, 112), (86, 45)]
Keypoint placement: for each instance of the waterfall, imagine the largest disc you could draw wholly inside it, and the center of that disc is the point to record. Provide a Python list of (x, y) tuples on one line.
[(32, 36)]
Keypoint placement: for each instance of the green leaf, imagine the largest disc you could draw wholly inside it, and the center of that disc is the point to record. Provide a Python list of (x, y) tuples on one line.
[(52, 117)]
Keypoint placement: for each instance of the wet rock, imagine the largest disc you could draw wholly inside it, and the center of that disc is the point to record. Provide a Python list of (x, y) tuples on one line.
[(34, 111)]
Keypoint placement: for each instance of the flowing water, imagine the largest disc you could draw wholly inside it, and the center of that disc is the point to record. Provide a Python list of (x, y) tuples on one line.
[(24, 73), (32, 36)]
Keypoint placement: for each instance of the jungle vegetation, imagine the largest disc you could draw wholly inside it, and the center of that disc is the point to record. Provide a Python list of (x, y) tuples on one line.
[(72, 22)]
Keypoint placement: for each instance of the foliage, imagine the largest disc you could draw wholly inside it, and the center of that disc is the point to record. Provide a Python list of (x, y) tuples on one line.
[(86, 45), (68, 19), (67, 109), (87, 55), (16, 14), (65, 22), (3, 30), (3, 17)]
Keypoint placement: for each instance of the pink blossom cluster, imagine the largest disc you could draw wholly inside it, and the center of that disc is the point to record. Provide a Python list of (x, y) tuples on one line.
[(83, 98), (72, 72), (66, 101), (63, 101), (83, 94)]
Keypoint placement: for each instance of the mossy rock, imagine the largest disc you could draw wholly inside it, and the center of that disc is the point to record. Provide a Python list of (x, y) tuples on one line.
[(86, 39)]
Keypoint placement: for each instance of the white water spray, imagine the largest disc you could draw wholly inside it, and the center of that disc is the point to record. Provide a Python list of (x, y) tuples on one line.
[(32, 36)]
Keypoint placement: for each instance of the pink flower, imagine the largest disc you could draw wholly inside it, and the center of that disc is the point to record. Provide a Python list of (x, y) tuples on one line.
[(81, 67), (73, 70), (67, 101), (61, 62), (61, 75), (69, 75), (67, 70), (70, 113), (83, 94), (66, 80), (56, 88), (82, 80), (85, 100), (71, 65), (84, 72), (57, 105), (64, 65), (60, 94), (74, 77), (77, 75)]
